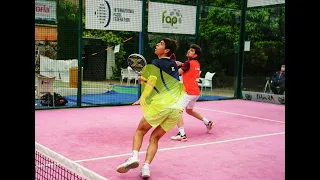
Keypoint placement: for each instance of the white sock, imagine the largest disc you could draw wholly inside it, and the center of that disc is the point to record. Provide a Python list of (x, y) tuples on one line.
[(205, 121), (146, 165), (135, 154), (181, 130)]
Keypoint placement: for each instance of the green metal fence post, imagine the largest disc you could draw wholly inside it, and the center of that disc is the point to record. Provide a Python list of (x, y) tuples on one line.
[(197, 22), (239, 77), (79, 93), (141, 37)]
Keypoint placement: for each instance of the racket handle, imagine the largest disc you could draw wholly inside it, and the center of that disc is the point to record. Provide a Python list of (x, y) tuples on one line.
[(173, 56)]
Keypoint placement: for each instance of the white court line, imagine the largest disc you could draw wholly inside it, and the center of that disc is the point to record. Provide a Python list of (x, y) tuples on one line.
[(265, 119), (182, 147)]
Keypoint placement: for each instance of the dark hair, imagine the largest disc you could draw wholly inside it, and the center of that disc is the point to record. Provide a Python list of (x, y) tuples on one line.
[(170, 44), (197, 49)]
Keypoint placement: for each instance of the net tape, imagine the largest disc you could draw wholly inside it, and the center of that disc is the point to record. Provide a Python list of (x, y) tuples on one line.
[(66, 163)]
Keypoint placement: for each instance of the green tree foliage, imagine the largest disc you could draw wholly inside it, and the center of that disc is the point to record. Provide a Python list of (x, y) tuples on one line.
[(67, 20), (219, 36), (265, 30)]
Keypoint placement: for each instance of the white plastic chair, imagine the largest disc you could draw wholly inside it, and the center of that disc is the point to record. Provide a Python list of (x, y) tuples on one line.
[(132, 76), (206, 82), (124, 75)]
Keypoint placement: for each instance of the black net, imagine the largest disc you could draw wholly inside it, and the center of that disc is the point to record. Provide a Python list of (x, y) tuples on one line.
[(48, 169), (50, 165)]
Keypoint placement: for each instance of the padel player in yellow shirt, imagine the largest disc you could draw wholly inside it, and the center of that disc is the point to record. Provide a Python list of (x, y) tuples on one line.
[(161, 103)]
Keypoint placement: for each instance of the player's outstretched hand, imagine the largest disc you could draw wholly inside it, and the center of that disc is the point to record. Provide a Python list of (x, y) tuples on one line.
[(136, 103), (179, 63)]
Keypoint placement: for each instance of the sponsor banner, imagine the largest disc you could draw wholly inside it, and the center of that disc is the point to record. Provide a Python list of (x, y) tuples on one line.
[(171, 18), (45, 10), (124, 15), (263, 97), (255, 3)]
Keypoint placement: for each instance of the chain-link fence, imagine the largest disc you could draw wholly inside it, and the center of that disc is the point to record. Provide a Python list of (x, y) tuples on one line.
[(95, 38)]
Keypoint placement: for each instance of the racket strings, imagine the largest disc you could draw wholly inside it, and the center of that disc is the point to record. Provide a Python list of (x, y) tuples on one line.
[(136, 62)]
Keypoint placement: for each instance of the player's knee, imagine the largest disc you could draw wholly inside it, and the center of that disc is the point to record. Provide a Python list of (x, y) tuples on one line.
[(143, 127), (157, 134), (189, 111), (154, 138), (142, 130)]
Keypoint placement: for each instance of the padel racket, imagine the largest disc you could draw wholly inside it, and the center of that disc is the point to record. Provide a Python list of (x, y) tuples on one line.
[(136, 62)]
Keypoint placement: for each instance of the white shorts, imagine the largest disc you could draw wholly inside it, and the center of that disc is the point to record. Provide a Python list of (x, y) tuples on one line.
[(189, 101)]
